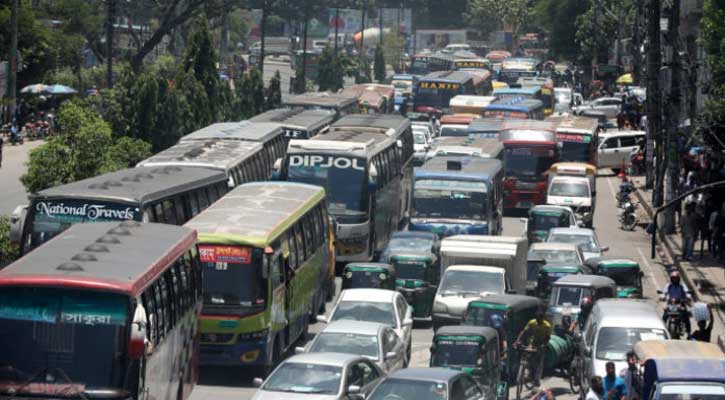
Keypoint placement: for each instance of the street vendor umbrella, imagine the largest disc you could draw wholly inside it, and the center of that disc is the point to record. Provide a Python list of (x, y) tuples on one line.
[(60, 89), (34, 89), (625, 79)]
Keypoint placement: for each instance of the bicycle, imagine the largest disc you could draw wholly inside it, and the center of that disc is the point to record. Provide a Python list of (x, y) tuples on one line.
[(575, 371), (525, 377)]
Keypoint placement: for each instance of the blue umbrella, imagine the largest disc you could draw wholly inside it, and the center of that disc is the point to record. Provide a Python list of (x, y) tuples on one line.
[(60, 89)]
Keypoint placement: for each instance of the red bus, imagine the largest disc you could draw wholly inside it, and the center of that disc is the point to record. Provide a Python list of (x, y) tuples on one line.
[(106, 310), (530, 148)]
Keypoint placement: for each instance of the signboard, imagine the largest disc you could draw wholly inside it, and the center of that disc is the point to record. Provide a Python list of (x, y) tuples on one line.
[(80, 211), (568, 137), (326, 162), (434, 39), (439, 85), (349, 21), (470, 64), (225, 254)]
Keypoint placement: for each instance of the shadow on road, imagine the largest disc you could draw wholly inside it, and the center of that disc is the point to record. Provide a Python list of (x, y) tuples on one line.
[(228, 376)]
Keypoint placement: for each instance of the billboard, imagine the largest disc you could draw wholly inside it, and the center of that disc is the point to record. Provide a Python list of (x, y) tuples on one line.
[(434, 39), (349, 21)]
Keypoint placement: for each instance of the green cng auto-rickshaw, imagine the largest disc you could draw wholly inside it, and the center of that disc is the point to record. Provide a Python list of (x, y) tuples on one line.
[(550, 273), (474, 350), (417, 280), (368, 275), (623, 271), (508, 314), (544, 217), (568, 293)]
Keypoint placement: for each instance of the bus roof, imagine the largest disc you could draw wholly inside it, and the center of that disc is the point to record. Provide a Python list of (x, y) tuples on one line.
[(487, 145), (515, 104), (255, 214), (528, 125), (376, 121), (520, 63), (403, 77), (105, 256), (472, 168), (463, 100), (575, 124), (215, 154), (321, 99), (308, 120), (352, 143), (522, 91), (448, 76), (485, 125), (136, 185), (244, 130), (458, 119)]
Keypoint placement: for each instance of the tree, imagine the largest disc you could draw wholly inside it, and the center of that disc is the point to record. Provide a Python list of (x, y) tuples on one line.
[(713, 33), (125, 153), (257, 91), (327, 70), (245, 102), (591, 37), (549, 15), (201, 60), (274, 92), (491, 15), (379, 66), (8, 251)]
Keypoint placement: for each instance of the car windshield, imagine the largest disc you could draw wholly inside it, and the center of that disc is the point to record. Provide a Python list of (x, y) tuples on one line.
[(455, 353), (77, 337), (613, 343), (449, 199), (527, 163), (404, 244), (379, 312), (344, 342), (471, 283), (570, 189), (453, 131), (231, 278), (297, 377), (419, 137), (545, 221), (588, 243), (407, 389), (556, 256), (622, 276), (343, 178)]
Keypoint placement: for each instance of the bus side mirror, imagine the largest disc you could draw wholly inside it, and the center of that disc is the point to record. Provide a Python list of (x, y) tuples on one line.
[(137, 338), (277, 169)]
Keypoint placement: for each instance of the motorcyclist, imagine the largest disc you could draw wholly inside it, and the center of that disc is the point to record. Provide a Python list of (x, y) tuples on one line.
[(678, 293), (538, 331)]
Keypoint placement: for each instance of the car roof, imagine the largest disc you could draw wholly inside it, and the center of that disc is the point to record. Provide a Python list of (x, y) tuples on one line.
[(589, 280), (475, 268), (323, 358), (553, 246), (624, 312), (467, 330), (548, 207), (513, 301), (368, 295), (572, 231), (426, 374), (350, 326), (614, 260), (415, 234)]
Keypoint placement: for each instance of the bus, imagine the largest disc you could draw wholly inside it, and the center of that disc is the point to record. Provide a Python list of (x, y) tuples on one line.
[(455, 195), (470, 104), (579, 138), (545, 94), (361, 172), (170, 195), (476, 64), (530, 148), (485, 128), (241, 161), (513, 68), (270, 135), (435, 90), (374, 98), (466, 146), (267, 268), (482, 82), (298, 123), (547, 91), (515, 108), (104, 311), (340, 104), (456, 124), (424, 64)]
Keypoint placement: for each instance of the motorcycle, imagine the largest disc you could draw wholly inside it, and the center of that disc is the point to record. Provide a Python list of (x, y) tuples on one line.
[(628, 216), (673, 313), (15, 137)]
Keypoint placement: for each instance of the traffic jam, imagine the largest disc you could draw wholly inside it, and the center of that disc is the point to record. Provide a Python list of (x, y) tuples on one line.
[(369, 216)]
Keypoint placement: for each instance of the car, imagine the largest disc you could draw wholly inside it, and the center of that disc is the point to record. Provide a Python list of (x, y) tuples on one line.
[(427, 384), (543, 217), (318, 376), (615, 150), (410, 242), (583, 236), (427, 126), (375, 305), (557, 253), (609, 105), (420, 146), (375, 341)]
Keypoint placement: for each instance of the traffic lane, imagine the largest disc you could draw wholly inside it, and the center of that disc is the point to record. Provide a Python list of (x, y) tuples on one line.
[(14, 159)]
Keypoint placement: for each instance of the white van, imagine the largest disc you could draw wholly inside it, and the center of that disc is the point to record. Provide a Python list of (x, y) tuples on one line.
[(613, 327), (616, 149)]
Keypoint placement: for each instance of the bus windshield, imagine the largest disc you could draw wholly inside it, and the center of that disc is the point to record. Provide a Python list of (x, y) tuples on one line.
[(449, 199), (232, 278), (77, 337), (429, 95), (343, 178), (419, 66), (51, 217), (528, 162), (454, 131), (575, 152)]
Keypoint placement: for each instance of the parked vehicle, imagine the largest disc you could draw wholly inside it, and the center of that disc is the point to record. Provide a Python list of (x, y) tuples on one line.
[(625, 272), (609, 105), (628, 216), (474, 350), (615, 150), (418, 277), (542, 218), (359, 275), (427, 384), (569, 292), (585, 237)]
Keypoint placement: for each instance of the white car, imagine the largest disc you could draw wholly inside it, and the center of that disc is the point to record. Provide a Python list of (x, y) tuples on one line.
[(420, 146), (375, 341), (426, 126), (609, 105), (383, 306), (587, 238), (615, 150), (557, 253)]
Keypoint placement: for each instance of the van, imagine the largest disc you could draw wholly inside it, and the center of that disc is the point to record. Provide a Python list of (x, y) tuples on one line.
[(613, 327), (616, 149)]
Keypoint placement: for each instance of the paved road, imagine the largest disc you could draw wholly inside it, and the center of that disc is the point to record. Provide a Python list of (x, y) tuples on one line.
[(231, 383), (286, 72), (12, 191)]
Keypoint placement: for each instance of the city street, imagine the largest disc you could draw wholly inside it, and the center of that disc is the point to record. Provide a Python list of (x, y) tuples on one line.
[(12, 191), (232, 383)]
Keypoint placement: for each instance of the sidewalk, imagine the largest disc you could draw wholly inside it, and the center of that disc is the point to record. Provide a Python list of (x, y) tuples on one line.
[(704, 275)]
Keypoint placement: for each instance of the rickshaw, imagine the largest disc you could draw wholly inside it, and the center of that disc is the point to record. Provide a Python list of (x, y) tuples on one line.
[(512, 312), (542, 218), (625, 272), (368, 275), (568, 292), (417, 280), (474, 350), (679, 369), (550, 273)]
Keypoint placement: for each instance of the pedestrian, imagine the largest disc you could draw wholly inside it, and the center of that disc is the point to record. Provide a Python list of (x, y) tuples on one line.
[(596, 389), (543, 394), (704, 331), (688, 229), (614, 387), (715, 224), (631, 377)]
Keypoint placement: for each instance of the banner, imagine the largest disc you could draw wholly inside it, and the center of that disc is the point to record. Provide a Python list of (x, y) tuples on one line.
[(349, 21)]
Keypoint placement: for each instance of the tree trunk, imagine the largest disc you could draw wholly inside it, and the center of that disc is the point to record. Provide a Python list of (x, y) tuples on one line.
[(224, 37), (304, 46), (337, 18), (653, 87), (13, 78), (380, 25), (362, 36)]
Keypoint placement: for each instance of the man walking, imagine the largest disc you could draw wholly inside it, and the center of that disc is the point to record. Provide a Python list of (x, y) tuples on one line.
[(688, 229)]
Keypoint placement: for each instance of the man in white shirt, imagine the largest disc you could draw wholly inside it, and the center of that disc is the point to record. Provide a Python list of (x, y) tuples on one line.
[(596, 389)]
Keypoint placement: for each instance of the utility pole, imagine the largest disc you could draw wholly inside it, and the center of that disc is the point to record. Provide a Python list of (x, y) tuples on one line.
[(595, 41), (337, 24), (262, 36), (306, 14), (380, 25), (654, 111), (637, 43), (224, 36), (362, 37), (671, 160), (109, 41), (13, 78), (620, 23)]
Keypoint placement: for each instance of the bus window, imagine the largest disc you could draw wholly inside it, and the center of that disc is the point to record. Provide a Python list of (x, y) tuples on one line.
[(292, 250), (149, 304), (167, 284), (203, 200), (159, 213), (169, 214), (212, 194), (193, 204), (299, 237), (181, 213), (309, 232)]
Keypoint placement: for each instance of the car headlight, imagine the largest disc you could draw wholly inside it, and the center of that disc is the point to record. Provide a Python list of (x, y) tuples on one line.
[(439, 307)]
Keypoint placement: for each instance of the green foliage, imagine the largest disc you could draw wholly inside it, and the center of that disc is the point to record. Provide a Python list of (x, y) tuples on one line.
[(274, 92), (490, 15), (379, 66), (201, 60), (244, 104), (299, 82), (393, 49), (8, 251), (257, 87), (713, 34), (590, 37), (549, 15), (125, 153), (711, 120), (81, 80), (328, 71)]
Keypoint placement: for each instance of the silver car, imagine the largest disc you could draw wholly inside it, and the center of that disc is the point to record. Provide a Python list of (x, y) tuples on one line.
[(375, 341), (609, 105), (320, 376), (587, 238)]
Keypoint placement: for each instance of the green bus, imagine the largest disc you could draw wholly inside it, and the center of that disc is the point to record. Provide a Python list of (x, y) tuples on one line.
[(268, 268)]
